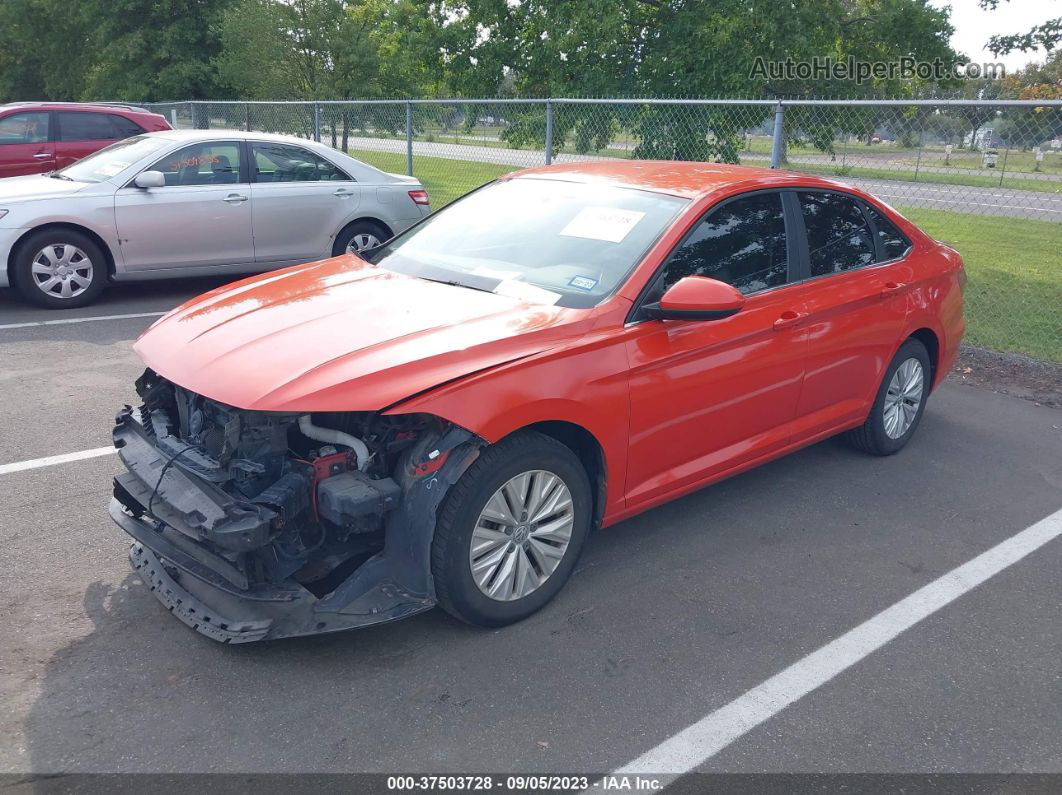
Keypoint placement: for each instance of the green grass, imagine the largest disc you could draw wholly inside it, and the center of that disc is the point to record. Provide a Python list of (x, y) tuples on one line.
[(1014, 294), (934, 178), (444, 179)]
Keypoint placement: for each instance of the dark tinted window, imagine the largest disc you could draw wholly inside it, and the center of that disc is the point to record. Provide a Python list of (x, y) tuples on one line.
[(741, 243), (123, 128), (283, 163), (86, 127), (24, 128), (894, 245), (839, 238)]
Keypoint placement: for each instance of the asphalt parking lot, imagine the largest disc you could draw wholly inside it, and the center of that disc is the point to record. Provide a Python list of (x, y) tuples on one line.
[(669, 617)]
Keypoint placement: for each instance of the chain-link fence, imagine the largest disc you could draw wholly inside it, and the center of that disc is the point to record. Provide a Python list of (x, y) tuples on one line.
[(985, 177)]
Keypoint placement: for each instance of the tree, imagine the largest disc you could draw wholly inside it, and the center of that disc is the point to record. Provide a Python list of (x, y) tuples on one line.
[(1046, 35), (153, 50)]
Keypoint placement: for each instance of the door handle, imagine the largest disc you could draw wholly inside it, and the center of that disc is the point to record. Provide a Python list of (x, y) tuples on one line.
[(41, 156), (234, 198), (788, 318), (342, 193), (891, 288)]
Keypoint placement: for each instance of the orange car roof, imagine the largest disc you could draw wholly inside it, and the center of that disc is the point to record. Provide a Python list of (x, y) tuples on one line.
[(676, 177)]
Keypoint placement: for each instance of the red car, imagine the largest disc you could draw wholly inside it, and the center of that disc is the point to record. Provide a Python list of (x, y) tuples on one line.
[(444, 421), (36, 137)]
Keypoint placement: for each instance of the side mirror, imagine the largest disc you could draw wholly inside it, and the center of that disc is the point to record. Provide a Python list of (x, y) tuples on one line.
[(697, 298), (150, 179)]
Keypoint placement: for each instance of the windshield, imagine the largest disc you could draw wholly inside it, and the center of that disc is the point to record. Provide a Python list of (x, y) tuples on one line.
[(546, 241), (113, 160)]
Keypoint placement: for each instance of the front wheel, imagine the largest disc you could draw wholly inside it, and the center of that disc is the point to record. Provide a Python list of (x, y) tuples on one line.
[(899, 405), (60, 269), (511, 530)]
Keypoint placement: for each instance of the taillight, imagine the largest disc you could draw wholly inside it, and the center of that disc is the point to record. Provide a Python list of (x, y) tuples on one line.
[(419, 197)]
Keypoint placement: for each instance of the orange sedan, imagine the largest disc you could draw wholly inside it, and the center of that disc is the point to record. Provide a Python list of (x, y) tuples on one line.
[(445, 419)]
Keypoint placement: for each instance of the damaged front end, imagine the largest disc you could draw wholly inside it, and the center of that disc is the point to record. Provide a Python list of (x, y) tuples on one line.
[(251, 525)]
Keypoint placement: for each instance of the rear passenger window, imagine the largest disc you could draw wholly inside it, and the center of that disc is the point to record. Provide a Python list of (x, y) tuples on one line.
[(893, 244), (86, 127), (839, 237), (741, 243), (123, 128), (284, 163)]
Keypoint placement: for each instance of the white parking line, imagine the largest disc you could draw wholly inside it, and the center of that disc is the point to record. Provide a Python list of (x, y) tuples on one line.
[(67, 320), (695, 744), (36, 463)]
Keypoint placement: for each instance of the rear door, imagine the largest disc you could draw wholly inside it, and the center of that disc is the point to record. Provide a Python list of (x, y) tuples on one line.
[(855, 295), (80, 133), (202, 216), (26, 145), (299, 202)]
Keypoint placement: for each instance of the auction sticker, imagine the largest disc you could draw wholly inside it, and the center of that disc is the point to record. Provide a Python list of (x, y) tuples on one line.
[(602, 223)]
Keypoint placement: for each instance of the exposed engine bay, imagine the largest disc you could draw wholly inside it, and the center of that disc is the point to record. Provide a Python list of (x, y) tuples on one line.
[(252, 525)]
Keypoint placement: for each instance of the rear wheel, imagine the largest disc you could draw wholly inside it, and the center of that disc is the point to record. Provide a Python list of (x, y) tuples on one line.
[(511, 530), (899, 405), (60, 269), (359, 237)]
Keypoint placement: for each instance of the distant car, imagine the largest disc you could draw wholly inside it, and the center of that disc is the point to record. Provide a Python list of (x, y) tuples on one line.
[(444, 420), (193, 203), (44, 136)]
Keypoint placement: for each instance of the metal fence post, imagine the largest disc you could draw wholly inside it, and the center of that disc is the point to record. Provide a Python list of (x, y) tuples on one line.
[(1003, 168), (918, 159), (549, 132), (777, 141), (317, 122), (191, 114), (247, 116), (409, 138)]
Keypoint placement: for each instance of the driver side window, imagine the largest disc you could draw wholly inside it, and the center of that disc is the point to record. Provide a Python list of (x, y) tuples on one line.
[(741, 243), (213, 163)]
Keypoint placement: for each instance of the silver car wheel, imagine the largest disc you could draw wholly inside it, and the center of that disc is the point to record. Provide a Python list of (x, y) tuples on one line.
[(61, 270), (903, 398), (361, 242), (521, 535)]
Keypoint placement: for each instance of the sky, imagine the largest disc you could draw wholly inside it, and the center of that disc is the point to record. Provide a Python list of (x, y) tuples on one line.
[(974, 27)]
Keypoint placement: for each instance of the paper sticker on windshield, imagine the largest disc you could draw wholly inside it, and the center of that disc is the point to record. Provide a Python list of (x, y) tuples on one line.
[(602, 223), (110, 169), (583, 283), (527, 292)]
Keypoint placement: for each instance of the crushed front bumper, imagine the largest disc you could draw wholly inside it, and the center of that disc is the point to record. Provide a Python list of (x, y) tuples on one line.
[(202, 598), (190, 535)]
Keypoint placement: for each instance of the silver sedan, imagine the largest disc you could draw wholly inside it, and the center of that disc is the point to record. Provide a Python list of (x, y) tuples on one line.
[(193, 203)]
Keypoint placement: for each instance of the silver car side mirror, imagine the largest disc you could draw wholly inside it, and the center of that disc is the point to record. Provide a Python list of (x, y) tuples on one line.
[(150, 179)]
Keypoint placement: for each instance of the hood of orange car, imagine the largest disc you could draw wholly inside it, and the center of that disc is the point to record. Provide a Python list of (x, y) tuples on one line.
[(343, 335)]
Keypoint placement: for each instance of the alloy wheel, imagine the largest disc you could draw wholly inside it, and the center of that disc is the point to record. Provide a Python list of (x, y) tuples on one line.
[(903, 398), (61, 270), (521, 535), (362, 242)]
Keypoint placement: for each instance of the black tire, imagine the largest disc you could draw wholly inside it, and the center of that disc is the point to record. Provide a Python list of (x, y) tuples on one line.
[(871, 437), (456, 589), (25, 280), (355, 229)]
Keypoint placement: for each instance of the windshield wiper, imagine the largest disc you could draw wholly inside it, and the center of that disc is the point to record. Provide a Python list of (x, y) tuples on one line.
[(454, 283), (57, 175)]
